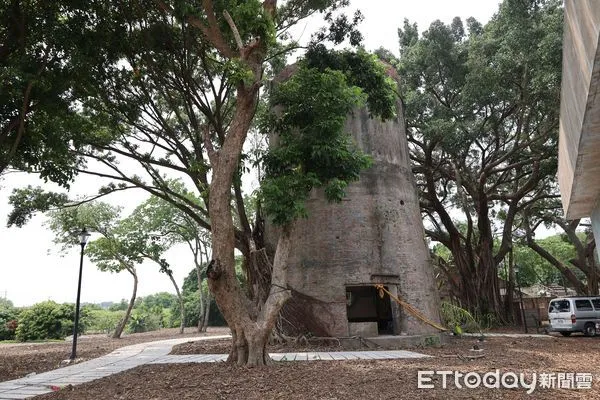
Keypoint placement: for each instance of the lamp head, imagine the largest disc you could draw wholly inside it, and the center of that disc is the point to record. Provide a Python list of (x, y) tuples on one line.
[(84, 235)]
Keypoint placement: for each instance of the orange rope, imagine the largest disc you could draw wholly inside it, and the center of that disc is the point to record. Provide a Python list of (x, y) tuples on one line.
[(410, 309)]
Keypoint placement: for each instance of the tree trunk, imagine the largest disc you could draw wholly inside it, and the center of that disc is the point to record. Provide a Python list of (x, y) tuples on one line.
[(510, 290), (565, 271), (123, 323), (251, 325), (180, 298), (206, 316), (201, 324)]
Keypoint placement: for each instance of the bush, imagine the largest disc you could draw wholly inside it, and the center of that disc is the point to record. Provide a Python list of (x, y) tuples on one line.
[(8, 322), (458, 319), (104, 321), (192, 311), (49, 320), (144, 320)]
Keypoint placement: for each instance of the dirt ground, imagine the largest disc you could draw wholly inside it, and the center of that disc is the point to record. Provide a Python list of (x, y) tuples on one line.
[(20, 359), (377, 379)]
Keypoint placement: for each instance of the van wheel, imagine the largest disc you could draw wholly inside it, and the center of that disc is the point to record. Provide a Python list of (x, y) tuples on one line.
[(589, 329), (566, 333)]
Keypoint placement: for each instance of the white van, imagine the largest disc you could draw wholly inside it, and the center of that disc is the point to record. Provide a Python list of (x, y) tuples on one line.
[(575, 314)]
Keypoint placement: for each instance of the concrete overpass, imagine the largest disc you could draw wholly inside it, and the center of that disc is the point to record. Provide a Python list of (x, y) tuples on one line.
[(579, 137)]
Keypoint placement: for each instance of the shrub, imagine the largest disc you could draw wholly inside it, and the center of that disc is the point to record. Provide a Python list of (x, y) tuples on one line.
[(49, 320), (458, 319), (104, 321), (8, 323), (143, 320)]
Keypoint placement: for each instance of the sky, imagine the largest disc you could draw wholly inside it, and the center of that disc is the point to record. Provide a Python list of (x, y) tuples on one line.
[(32, 269)]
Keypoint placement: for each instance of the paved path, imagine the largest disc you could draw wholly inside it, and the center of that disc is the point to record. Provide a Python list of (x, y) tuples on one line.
[(511, 335), (157, 353)]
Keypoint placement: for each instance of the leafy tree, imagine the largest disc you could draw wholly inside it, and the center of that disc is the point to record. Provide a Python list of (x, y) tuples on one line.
[(42, 76), (176, 90), (482, 108), (121, 306), (161, 300), (170, 225), (118, 249), (105, 321)]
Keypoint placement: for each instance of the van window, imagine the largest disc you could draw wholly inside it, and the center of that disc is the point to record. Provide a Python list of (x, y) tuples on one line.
[(583, 305), (596, 303), (559, 306)]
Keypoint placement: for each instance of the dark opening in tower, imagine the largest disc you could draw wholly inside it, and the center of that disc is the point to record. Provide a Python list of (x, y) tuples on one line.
[(363, 304)]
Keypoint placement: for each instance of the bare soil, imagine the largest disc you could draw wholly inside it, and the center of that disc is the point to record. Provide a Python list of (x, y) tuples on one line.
[(20, 359), (376, 379)]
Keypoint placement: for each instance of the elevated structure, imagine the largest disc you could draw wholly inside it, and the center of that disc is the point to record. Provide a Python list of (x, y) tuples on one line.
[(579, 141), (374, 236)]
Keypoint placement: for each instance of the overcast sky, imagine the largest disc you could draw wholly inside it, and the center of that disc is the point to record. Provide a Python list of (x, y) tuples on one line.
[(31, 268)]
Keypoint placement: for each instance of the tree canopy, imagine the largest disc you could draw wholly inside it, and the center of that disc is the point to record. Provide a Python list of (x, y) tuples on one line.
[(482, 108), (42, 77)]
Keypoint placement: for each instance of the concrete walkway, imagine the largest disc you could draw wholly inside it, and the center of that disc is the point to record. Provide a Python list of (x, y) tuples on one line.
[(510, 335), (157, 353)]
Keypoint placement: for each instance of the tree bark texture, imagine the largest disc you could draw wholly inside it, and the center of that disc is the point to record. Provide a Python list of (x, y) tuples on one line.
[(123, 323)]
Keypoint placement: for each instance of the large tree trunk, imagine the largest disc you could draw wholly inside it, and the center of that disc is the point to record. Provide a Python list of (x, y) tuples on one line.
[(123, 323), (251, 325), (181, 303)]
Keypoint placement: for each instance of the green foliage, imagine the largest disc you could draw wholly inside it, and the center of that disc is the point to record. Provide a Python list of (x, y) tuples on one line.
[(120, 306), (192, 298), (313, 150), (41, 79), (49, 320), (191, 307), (9, 316), (121, 245), (535, 269), (104, 321), (28, 201), (482, 115), (160, 300), (95, 216), (144, 320), (458, 319), (362, 70)]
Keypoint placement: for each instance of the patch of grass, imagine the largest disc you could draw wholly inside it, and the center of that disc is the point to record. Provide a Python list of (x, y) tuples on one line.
[(32, 341)]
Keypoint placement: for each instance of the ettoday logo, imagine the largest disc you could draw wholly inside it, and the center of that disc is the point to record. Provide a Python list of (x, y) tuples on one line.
[(504, 380)]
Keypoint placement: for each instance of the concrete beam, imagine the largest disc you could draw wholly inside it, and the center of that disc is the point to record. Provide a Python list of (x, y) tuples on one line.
[(579, 137)]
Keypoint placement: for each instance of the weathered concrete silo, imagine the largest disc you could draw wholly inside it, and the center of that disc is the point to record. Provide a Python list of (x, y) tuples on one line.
[(375, 235)]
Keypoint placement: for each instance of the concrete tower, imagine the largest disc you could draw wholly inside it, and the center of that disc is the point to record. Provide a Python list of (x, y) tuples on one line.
[(375, 235)]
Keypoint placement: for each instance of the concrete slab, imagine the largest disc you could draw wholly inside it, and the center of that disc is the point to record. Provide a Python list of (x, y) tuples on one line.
[(325, 357)]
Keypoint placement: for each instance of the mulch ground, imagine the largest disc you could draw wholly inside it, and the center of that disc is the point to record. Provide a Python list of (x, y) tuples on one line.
[(19, 359), (377, 379)]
